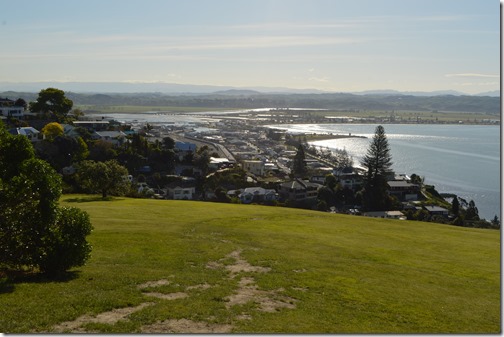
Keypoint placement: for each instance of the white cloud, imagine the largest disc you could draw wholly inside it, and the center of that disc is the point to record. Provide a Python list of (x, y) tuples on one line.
[(319, 79), (472, 75)]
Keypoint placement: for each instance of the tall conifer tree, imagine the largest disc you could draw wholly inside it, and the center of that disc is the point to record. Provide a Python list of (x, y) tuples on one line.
[(377, 161)]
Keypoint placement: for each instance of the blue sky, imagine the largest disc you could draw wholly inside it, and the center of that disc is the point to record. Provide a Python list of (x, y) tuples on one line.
[(333, 45)]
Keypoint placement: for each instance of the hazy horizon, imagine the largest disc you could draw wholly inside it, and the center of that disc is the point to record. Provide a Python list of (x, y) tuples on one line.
[(327, 45)]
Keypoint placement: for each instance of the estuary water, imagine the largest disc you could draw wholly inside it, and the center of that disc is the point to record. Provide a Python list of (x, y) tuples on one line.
[(459, 159)]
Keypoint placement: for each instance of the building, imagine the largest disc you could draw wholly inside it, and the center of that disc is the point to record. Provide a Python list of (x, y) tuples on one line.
[(92, 125), (257, 194), (31, 133), (12, 111), (386, 215), (256, 167), (115, 137), (436, 210), (298, 189), (183, 189), (403, 190), (350, 178)]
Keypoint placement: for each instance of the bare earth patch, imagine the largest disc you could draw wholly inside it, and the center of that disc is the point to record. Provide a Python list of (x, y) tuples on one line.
[(170, 296), (152, 284), (185, 326), (109, 317), (247, 291), (202, 286), (268, 301), (239, 266)]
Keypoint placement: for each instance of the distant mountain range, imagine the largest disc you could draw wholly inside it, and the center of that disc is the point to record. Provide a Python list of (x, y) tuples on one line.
[(192, 89)]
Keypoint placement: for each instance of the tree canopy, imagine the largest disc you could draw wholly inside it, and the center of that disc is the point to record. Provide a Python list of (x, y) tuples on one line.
[(298, 163), (377, 161), (34, 231), (103, 177), (52, 102)]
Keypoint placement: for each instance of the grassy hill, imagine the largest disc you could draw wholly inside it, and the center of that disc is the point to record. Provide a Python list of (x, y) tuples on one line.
[(182, 266)]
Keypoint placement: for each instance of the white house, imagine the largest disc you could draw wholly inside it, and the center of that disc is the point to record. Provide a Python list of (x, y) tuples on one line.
[(114, 137), (31, 133), (255, 167), (257, 194), (386, 215), (181, 193), (183, 189), (12, 111)]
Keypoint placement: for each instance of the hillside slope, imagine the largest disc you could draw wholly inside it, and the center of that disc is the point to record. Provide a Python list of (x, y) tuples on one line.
[(182, 266)]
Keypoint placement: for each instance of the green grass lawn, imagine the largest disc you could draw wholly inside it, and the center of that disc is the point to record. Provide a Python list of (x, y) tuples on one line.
[(258, 269)]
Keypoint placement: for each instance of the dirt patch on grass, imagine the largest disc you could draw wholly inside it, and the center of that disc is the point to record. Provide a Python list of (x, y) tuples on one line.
[(202, 286), (170, 296), (185, 326), (240, 265), (268, 301), (109, 317), (247, 291), (152, 284)]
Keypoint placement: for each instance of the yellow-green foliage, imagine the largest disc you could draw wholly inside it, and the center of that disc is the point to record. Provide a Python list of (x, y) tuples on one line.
[(344, 274)]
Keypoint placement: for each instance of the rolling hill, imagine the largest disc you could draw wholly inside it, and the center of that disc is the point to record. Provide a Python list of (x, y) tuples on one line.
[(182, 266)]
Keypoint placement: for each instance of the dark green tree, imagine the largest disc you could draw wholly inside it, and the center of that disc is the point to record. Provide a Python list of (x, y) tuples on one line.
[(33, 228), (455, 206), (471, 213), (298, 163), (107, 178), (52, 102), (495, 222), (377, 161)]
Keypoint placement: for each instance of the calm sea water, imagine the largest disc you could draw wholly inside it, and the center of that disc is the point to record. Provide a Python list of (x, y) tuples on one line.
[(460, 159)]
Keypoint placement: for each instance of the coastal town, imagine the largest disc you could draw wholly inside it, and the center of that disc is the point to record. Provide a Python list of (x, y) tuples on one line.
[(236, 156)]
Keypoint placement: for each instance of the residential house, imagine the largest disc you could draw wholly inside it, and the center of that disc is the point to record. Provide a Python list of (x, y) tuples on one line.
[(31, 133), (183, 189), (184, 148), (349, 177), (386, 215), (218, 163), (115, 137), (12, 111), (436, 210), (403, 190), (92, 125), (255, 167), (70, 131), (257, 194), (298, 189)]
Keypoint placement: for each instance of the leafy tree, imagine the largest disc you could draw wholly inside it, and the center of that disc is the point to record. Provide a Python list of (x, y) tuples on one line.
[(33, 228), (298, 163), (103, 177), (78, 113), (101, 150), (202, 160), (377, 161), (330, 181), (416, 179), (471, 212), (52, 130), (495, 222), (455, 206), (52, 102), (168, 143), (21, 102)]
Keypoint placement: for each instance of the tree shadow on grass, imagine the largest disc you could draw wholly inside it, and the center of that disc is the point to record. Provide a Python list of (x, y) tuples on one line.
[(9, 278), (93, 198)]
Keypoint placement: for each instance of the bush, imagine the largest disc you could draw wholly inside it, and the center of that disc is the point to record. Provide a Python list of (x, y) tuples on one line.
[(34, 231), (67, 246)]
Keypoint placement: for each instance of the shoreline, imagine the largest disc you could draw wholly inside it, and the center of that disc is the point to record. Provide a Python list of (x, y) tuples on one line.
[(323, 136)]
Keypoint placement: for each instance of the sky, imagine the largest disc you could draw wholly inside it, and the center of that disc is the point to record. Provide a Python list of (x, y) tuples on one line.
[(330, 45)]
